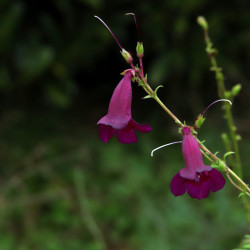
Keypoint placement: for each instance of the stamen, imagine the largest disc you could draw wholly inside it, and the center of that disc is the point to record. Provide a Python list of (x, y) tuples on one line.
[(165, 146), (220, 100), (132, 14), (109, 30)]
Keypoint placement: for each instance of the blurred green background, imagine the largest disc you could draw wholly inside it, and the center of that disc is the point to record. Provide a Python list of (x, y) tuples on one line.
[(60, 186)]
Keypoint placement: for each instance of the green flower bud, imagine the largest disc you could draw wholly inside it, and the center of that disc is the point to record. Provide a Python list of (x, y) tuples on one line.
[(236, 89), (126, 55), (199, 121), (140, 50), (238, 137), (202, 22)]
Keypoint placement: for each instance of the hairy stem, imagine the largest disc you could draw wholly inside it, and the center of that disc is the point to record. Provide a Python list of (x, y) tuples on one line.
[(213, 158), (222, 94), (153, 95)]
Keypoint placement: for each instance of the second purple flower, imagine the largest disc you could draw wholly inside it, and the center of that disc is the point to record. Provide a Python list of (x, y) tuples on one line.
[(196, 178)]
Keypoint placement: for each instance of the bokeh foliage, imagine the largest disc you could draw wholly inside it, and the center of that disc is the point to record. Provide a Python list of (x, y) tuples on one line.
[(61, 188)]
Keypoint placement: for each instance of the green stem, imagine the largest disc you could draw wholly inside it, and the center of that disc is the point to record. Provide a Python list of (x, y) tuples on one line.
[(153, 95), (215, 160), (221, 92), (157, 99)]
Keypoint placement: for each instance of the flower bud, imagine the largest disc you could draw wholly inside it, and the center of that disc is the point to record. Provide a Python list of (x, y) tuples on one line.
[(127, 56), (202, 22), (199, 121), (236, 89), (139, 50)]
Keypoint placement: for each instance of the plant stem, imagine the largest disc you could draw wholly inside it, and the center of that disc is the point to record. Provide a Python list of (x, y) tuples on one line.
[(222, 94), (157, 99), (141, 66), (227, 169), (153, 95)]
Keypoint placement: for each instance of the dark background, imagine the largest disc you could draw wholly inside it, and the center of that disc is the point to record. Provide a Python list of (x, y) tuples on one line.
[(60, 186)]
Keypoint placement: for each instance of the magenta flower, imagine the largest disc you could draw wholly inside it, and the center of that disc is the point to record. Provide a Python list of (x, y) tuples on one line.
[(196, 178), (119, 117)]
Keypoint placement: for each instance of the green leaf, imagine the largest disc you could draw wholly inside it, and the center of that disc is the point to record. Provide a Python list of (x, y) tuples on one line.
[(157, 89), (141, 83), (241, 194), (147, 97), (227, 154)]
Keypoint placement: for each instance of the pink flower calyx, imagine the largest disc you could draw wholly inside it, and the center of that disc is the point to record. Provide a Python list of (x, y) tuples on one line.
[(129, 71)]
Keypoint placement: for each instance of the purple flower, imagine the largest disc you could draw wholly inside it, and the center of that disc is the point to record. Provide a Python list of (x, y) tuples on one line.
[(196, 178), (119, 118)]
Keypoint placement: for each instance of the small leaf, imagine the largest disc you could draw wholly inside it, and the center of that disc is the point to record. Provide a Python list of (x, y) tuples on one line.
[(241, 194), (147, 97), (157, 89), (227, 154), (141, 83)]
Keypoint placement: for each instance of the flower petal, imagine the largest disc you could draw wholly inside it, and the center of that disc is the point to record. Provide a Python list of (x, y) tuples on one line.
[(143, 128), (198, 189), (126, 136), (192, 156), (216, 180), (119, 112), (106, 132), (178, 185)]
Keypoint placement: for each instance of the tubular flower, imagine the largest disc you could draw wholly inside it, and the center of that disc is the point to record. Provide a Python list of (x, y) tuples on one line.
[(196, 178), (119, 118)]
